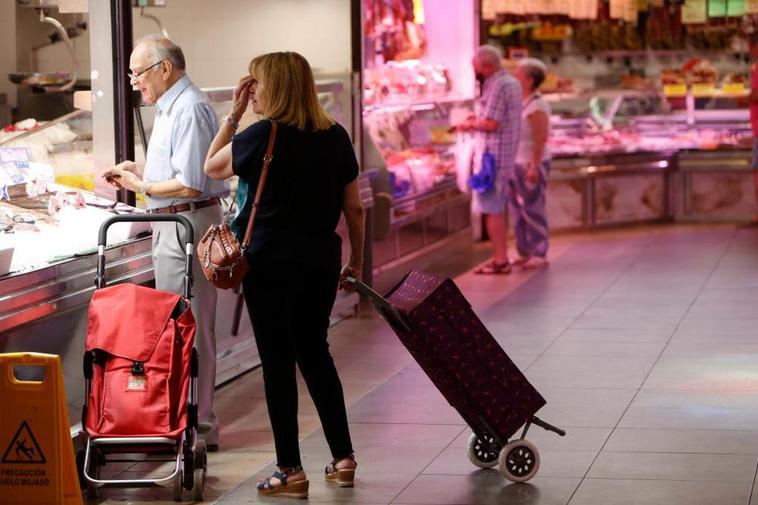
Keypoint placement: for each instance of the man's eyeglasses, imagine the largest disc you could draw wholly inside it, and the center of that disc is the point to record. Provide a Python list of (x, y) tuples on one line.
[(134, 76)]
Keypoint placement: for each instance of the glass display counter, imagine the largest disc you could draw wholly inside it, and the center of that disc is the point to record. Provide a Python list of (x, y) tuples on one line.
[(412, 160), (632, 157)]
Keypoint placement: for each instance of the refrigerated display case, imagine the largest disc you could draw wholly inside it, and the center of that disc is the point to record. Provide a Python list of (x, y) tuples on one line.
[(49, 222), (623, 162), (418, 204)]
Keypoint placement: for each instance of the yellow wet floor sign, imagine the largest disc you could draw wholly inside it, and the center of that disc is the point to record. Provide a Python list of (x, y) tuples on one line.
[(36, 454)]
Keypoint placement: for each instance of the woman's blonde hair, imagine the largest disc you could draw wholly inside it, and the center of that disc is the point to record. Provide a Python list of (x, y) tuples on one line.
[(287, 85)]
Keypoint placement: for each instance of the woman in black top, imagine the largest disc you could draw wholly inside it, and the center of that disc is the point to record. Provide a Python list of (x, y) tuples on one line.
[(295, 252)]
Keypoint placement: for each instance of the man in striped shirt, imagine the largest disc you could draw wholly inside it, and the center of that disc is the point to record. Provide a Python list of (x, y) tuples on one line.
[(496, 125)]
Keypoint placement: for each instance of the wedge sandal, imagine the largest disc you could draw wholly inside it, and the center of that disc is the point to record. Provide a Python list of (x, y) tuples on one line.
[(343, 477), (494, 268), (285, 489)]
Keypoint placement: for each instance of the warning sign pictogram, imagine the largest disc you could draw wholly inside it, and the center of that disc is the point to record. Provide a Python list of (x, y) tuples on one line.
[(24, 448)]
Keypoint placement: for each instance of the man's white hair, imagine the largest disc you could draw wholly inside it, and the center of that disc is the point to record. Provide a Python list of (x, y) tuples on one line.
[(162, 48), (488, 54)]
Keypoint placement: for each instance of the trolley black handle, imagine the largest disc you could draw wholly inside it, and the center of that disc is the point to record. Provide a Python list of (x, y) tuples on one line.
[(102, 238), (382, 305)]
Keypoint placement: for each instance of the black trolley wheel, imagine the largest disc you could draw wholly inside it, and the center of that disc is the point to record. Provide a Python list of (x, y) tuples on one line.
[(483, 450), (519, 460), (178, 487), (200, 470)]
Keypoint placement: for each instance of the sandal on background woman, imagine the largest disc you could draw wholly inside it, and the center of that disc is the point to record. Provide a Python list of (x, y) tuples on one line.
[(341, 472), (494, 268), (279, 484), (521, 260)]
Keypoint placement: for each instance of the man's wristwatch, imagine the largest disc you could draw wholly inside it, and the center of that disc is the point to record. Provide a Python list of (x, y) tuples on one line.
[(143, 188)]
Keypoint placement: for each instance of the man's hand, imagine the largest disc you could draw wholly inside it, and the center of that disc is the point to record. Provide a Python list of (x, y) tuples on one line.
[(130, 166), (122, 178), (532, 173), (466, 126), (241, 98)]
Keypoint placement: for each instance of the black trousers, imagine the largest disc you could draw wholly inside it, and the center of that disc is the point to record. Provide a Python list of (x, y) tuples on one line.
[(289, 307)]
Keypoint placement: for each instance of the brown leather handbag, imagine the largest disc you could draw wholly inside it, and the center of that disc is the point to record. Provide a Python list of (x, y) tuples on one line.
[(222, 257)]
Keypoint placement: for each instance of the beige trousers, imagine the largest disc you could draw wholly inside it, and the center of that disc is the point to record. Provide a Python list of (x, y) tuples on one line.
[(168, 261)]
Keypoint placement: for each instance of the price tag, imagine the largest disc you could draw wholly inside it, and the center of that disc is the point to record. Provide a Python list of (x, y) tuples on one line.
[(583, 9), (14, 163), (14, 155), (488, 10), (551, 7), (632, 11), (735, 8), (513, 7), (563, 7), (624, 9), (616, 10), (734, 88), (675, 89), (700, 89), (694, 12), (716, 8)]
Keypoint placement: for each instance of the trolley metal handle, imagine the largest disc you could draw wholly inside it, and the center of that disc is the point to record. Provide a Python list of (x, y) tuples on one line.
[(383, 306), (147, 218)]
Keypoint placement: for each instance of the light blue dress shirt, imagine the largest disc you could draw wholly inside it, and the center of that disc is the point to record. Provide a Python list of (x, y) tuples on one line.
[(185, 125)]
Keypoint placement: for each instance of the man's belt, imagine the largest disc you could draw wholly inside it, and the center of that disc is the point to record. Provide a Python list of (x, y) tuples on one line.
[(185, 207)]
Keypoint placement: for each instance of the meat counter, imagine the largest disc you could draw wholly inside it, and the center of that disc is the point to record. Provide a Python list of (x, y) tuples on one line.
[(651, 168), (410, 156), (50, 271)]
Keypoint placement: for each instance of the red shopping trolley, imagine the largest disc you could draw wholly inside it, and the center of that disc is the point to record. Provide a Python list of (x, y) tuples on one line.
[(140, 372)]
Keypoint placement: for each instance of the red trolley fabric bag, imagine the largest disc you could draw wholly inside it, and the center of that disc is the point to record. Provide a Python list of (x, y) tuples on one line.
[(141, 339)]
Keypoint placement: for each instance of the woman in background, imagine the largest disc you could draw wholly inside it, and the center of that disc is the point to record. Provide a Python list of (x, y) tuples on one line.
[(528, 182), (294, 254)]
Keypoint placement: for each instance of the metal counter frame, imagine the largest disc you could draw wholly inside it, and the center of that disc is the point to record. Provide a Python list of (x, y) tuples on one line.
[(69, 284), (677, 170)]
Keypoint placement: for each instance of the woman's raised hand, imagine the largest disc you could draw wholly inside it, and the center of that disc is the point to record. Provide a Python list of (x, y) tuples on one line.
[(241, 97)]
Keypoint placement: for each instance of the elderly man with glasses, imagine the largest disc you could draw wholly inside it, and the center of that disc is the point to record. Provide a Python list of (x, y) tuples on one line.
[(173, 181)]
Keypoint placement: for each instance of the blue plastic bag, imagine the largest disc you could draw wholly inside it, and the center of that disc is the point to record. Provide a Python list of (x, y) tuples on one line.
[(484, 181)]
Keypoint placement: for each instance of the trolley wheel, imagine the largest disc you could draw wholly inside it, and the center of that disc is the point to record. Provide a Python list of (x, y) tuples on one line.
[(96, 462), (519, 460), (200, 470), (198, 490), (483, 451), (189, 463), (80, 468), (201, 454), (178, 486)]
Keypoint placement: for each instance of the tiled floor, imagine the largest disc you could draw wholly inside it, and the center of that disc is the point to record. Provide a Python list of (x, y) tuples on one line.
[(644, 342)]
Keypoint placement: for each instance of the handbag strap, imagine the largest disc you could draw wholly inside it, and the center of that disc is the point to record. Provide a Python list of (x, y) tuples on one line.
[(261, 183)]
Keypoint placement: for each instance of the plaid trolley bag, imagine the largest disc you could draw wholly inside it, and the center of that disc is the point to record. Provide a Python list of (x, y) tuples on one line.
[(140, 372), (438, 327)]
